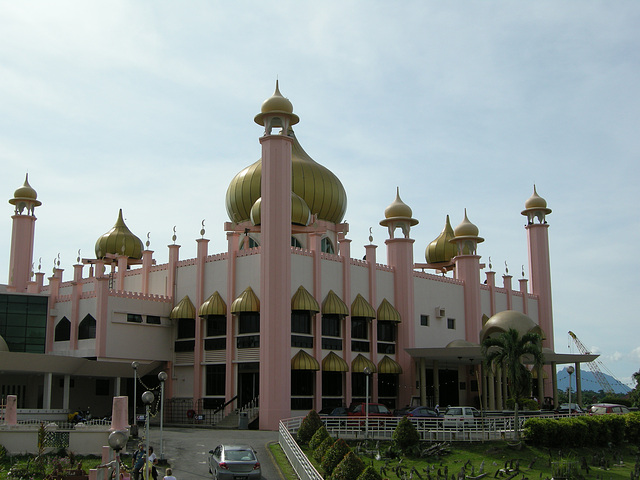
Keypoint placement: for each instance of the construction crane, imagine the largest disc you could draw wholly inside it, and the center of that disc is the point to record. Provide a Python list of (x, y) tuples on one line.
[(595, 365)]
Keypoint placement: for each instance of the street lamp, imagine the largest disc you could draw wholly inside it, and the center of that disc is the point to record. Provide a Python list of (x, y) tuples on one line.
[(117, 441), (134, 425), (147, 398), (570, 371), (366, 372), (162, 376)]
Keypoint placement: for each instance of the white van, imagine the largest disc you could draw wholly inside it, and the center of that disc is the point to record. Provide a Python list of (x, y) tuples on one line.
[(458, 417)]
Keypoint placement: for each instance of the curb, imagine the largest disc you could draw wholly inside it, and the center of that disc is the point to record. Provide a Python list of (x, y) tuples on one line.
[(273, 459)]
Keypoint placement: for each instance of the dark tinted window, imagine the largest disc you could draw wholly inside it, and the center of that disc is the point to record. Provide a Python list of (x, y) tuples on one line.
[(87, 328)]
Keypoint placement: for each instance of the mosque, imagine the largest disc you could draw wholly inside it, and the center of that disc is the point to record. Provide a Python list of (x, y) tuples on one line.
[(284, 318)]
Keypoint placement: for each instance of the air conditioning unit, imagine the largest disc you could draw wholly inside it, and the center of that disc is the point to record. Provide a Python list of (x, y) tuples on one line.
[(440, 312)]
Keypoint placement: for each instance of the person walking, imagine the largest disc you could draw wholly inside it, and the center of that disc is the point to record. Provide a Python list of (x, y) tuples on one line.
[(168, 475), (138, 461), (153, 461)]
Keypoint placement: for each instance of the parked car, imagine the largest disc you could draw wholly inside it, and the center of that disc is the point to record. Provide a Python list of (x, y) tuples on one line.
[(603, 408), (375, 410), (423, 412), (234, 462), (458, 417), (333, 412), (566, 409)]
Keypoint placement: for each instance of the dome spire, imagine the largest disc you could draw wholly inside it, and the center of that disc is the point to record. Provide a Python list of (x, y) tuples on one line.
[(25, 197), (398, 215), (119, 241), (536, 207), (276, 112), (466, 236)]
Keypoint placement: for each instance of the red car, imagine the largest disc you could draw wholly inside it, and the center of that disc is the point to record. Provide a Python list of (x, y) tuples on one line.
[(375, 410)]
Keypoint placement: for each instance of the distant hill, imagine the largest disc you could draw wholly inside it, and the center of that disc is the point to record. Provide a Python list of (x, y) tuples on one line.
[(589, 381)]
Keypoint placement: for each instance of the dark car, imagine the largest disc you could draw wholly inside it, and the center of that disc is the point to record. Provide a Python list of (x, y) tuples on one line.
[(234, 462), (333, 412), (375, 410), (566, 409), (423, 412)]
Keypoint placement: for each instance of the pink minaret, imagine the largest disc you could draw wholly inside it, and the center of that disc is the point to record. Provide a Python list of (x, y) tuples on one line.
[(539, 261), (467, 264), (400, 256), (275, 259), (25, 200)]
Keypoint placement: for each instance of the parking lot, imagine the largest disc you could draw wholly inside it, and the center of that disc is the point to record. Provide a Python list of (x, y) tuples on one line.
[(187, 449)]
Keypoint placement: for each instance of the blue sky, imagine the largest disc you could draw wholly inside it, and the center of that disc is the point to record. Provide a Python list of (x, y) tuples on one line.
[(148, 106)]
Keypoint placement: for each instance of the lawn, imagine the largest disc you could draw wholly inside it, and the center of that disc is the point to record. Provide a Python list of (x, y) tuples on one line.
[(497, 460)]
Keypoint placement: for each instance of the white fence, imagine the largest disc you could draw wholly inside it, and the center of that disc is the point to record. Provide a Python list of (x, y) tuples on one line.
[(298, 460)]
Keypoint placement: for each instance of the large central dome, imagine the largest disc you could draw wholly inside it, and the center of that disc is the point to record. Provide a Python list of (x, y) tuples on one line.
[(315, 184)]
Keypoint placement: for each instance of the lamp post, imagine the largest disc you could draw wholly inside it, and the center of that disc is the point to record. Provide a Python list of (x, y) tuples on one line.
[(366, 372), (117, 441), (570, 371), (147, 398), (134, 428), (162, 376)]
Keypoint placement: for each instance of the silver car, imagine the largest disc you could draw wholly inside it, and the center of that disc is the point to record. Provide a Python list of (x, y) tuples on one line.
[(234, 462)]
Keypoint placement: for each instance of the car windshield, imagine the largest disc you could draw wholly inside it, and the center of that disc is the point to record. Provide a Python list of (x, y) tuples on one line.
[(383, 409), (454, 411), (239, 455)]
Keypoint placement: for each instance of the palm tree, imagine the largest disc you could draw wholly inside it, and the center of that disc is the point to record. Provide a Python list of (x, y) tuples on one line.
[(508, 350)]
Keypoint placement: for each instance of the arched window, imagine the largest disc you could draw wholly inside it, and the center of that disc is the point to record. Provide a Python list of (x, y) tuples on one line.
[(63, 330), (295, 242), (326, 246), (252, 243), (87, 328)]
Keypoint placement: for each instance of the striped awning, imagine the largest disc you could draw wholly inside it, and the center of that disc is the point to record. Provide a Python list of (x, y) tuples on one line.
[(360, 363), (214, 305), (387, 312), (389, 365), (184, 309), (303, 361), (303, 300), (333, 363), (361, 308), (332, 304), (246, 302)]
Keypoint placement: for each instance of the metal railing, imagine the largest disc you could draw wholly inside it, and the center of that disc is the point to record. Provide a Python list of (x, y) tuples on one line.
[(299, 461)]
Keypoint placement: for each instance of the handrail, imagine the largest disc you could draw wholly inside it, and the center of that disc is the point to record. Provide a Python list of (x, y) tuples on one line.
[(222, 407)]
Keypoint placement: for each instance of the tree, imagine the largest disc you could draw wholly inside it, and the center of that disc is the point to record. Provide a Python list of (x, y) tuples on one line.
[(508, 350), (634, 396)]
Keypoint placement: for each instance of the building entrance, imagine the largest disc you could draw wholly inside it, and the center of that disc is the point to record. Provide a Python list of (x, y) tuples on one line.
[(248, 382)]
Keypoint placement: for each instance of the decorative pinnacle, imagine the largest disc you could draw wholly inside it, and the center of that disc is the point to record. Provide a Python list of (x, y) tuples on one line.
[(202, 229), (174, 237), (370, 235), (78, 257), (506, 267), (148, 242)]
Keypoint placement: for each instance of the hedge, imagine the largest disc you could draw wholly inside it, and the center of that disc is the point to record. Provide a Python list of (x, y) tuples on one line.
[(310, 424), (318, 437), (349, 468), (322, 449), (582, 430), (334, 456)]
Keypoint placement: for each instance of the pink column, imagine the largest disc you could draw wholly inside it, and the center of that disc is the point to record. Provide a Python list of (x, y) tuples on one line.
[(54, 290), (119, 413), (373, 299), (174, 255), (147, 262), (11, 412), (491, 281), (525, 295), (232, 248), (314, 246), (275, 280), (506, 279), (122, 269), (345, 254), (199, 348), (540, 272), (75, 306), (102, 317), (468, 270), (400, 256), (21, 257)]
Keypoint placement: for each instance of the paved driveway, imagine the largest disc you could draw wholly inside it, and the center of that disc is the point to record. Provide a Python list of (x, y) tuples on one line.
[(187, 449)]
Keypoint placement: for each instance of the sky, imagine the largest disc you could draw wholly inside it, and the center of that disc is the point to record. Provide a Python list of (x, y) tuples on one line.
[(148, 106)]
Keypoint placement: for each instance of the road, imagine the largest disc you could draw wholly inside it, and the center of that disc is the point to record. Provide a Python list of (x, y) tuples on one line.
[(187, 449)]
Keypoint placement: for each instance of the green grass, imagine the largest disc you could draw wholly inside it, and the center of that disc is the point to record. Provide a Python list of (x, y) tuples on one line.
[(283, 463), (496, 454)]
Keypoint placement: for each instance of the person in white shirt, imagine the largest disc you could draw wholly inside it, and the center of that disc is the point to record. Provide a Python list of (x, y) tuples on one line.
[(168, 475)]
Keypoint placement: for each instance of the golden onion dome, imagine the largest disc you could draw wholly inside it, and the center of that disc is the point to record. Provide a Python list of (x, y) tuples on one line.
[(459, 343), (25, 193), (320, 189), (398, 208), (466, 228), (119, 241), (508, 319), (535, 203), (300, 212), (276, 103), (441, 250)]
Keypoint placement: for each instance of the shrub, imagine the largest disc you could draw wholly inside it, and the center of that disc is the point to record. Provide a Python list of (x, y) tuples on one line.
[(318, 437), (334, 456), (309, 426), (319, 452), (405, 435), (632, 427), (529, 404), (369, 473), (349, 468)]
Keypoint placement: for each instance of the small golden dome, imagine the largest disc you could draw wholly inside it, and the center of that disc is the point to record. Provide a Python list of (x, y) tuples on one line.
[(535, 203), (119, 241), (276, 104), (320, 189), (459, 343), (441, 250), (300, 213), (507, 319), (466, 228), (398, 208), (25, 193)]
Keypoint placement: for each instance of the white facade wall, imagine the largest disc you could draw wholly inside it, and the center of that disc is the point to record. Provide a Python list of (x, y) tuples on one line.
[(331, 279), (432, 293), (186, 278)]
